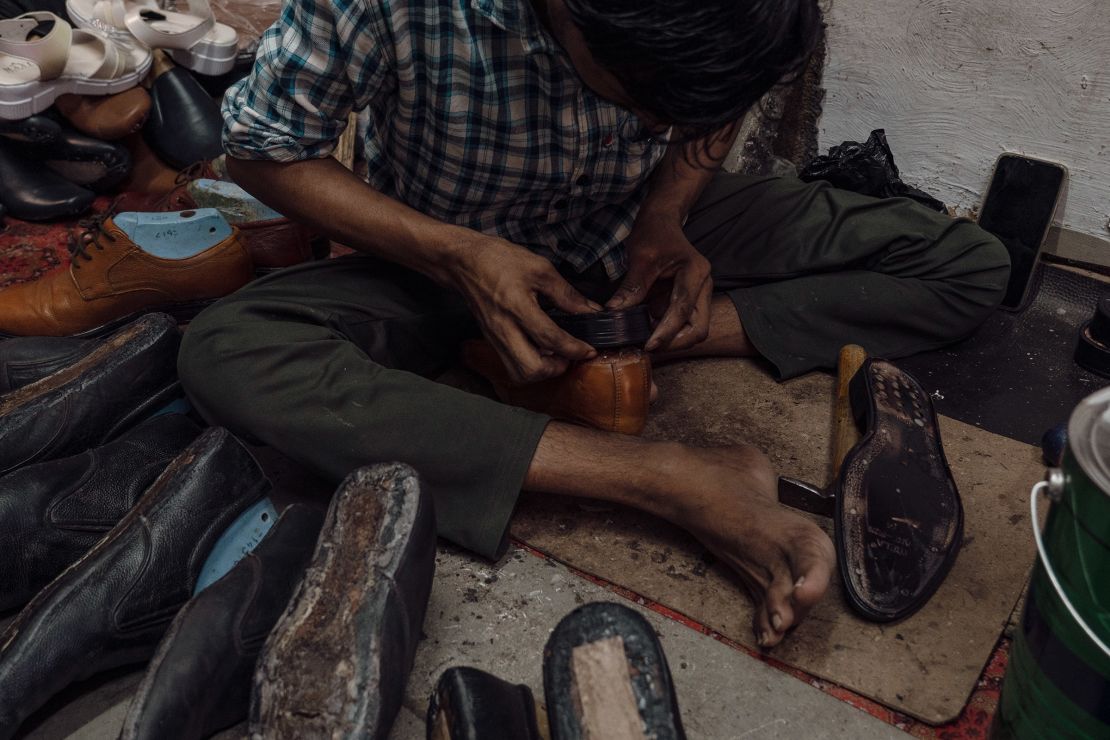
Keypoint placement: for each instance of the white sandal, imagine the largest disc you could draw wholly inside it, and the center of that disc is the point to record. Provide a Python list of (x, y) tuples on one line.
[(42, 57), (194, 39)]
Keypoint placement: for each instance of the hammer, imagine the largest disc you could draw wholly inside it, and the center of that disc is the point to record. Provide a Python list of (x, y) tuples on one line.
[(805, 496)]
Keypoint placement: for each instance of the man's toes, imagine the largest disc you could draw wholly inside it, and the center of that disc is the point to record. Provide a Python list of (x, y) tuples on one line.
[(780, 611), (765, 635), (813, 568)]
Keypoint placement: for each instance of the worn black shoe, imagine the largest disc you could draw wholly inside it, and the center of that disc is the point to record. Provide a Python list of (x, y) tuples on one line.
[(469, 704), (337, 662), (23, 360), (199, 681), (52, 513), (124, 379), (605, 675), (899, 519), (112, 606)]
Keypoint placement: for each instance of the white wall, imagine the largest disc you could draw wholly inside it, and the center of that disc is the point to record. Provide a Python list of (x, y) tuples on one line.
[(957, 82)]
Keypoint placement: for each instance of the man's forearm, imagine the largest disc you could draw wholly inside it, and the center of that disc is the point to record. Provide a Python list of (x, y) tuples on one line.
[(329, 197), (679, 180)]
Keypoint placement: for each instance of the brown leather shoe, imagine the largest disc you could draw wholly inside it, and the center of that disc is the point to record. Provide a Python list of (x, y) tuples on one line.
[(109, 117), (111, 280), (149, 174), (273, 243), (610, 392)]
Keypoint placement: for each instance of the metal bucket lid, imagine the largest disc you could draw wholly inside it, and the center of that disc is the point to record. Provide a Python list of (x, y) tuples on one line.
[(1089, 437)]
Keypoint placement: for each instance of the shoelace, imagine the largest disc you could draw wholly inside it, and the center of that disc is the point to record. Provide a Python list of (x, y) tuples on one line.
[(91, 230)]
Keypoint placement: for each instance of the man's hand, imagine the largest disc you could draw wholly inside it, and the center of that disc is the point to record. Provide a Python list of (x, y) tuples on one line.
[(661, 260), (503, 283)]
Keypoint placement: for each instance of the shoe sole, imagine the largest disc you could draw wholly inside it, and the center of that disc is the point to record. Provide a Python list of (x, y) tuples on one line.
[(337, 661), (605, 676), (899, 520), (29, 98), (181, 312)]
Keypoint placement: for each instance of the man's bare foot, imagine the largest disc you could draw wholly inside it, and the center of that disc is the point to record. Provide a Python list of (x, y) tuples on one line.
[(724, 496), (785, 560)]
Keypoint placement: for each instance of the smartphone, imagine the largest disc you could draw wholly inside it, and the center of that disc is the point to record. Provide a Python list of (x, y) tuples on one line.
[(1018, 209)]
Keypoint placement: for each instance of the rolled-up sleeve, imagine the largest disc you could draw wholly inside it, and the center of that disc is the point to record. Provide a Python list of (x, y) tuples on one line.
[(319, 61)]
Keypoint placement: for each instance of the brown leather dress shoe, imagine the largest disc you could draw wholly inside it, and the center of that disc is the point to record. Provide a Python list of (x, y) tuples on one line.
[(611, 392), (273, 243), (111, 280), (109, 117)]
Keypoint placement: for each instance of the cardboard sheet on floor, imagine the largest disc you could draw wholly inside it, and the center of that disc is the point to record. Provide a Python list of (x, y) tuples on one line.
[(926, 665), (1015, 376)]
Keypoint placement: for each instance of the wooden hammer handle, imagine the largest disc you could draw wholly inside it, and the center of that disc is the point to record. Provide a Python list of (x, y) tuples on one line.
[(845, 434)]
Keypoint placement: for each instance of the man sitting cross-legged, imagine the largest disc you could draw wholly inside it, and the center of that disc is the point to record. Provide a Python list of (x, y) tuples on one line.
[(515, 149)]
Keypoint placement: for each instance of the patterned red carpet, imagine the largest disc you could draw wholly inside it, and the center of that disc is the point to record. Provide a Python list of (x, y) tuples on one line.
[(28, 251)]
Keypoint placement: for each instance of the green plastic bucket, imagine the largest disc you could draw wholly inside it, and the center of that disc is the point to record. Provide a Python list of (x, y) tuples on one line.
[(1058, 681)]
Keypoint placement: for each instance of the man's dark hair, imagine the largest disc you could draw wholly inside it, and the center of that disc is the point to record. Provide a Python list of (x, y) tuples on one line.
[(698, 64)]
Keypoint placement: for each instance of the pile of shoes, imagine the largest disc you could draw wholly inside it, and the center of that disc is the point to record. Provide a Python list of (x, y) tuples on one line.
[(135, 535), (604, 676), (120, 97)]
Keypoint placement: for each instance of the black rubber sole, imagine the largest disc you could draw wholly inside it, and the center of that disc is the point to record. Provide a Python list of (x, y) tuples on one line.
[(610, 647), (899, 519)]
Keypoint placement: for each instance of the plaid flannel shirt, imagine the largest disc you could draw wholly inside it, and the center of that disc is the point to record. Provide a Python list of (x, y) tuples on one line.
[(475, 117)]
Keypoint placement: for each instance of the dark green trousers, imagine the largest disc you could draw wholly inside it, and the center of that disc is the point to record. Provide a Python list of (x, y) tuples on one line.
[(330, 362)]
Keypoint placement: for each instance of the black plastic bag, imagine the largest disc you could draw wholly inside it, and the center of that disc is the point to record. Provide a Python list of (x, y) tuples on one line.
[(866, 168)]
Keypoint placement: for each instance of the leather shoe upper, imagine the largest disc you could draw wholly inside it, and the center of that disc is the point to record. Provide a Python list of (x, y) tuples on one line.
[(272, 243), (199, 681), (112, 606), (111, 277), (52, 513), (611, 392), (24, 360), (126, 377)]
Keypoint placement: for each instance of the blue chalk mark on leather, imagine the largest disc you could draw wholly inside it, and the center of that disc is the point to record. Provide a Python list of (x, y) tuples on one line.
[(178, 406), (237, 541), (175, 235)]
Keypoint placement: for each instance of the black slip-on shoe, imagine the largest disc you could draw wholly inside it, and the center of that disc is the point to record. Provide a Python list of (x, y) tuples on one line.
[(33, 192), (52, 513), (23, 360), (199, 681), (90, 163), (36, 129), (605, 675), (899, 520), (469, 704), (112, 606), (336, 664), (124, 379), (184, 126)]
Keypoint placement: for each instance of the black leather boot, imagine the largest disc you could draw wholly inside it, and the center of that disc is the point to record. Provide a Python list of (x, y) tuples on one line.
[(337, 662), (112, 606), (469, 704), (199, 681), (124, 379), (23, 360), (53, 512)]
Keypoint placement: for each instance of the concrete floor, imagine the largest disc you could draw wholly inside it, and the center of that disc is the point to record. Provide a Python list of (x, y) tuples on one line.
[(497, 618)]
